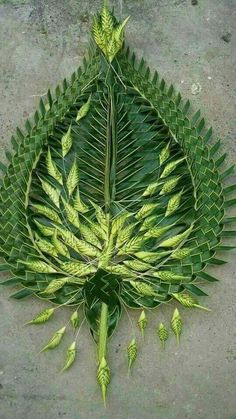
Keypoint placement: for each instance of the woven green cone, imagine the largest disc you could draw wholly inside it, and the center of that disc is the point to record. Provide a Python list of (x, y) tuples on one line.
[(142, 322), (176, 324), (188, 301), (103, 377), (163, 334), (132, 353)]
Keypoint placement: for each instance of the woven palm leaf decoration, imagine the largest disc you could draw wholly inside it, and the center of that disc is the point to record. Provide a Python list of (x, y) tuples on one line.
[(112, 198)]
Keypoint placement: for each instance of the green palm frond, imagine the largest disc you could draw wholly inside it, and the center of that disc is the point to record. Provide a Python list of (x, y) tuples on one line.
[(120, 201)]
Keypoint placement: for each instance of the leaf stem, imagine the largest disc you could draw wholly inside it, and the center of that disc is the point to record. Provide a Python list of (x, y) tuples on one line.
[(102, 334)]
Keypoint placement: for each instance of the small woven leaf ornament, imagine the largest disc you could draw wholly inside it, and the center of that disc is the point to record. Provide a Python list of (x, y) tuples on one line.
[(176, 324), (188, 301), (103, 377), (132, 353), (55, 339), (142, 322), (42, 317), (75, 319), (163, 334), (70, 356), (66, 142)]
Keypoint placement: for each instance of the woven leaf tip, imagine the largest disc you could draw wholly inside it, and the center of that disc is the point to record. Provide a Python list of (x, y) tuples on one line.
[(176, 324), (143, 288), (42, 317), (142, 322), (70, 356), (132, 353), (66, 142), (55, 340), (188, 301), (164, 154), (103, 377), (39, 266), (73, 178), (163, 334), (52, 168), (83, 110), (55, 285), (75, 319), (108, 35)]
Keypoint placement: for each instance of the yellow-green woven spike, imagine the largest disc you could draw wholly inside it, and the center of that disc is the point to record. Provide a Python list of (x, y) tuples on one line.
[(151, 189), (119, 222), (157, 232), (59, 246), (164, 154), (55, 285), (181, 253), (143, 288), (171, 167), (142, 322), (89, 235), (132, 353), (176, 240), (169, 185), (107, 22), (121, 270), (70, 356), (103, 377), (55, 340), (163, 334), (137, 265), (83, 110), (146, 210), (45, 230), (80, 246), (78, 268), (188, 301), (46, 247), (169, 276), (132, 246), (75, 319), (99, 36), (173, 204), (52, 168), (148, 222), (71, 214), (78, 204), (66, 142), (176, 324), (42, 317), (73, 178), (39, 266), (48, 212), (151, 257), (53, 193), (125, 234)]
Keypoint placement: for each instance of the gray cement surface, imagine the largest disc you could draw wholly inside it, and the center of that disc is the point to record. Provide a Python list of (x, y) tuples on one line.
[(41, 42)]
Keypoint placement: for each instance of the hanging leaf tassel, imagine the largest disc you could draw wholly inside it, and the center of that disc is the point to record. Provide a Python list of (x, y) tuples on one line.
[(55, 340), (163, 334), (142, 322), (132, 353), (83, 110), (176, 324), (70, 356), (188, 301), (42, 317), (103, 377), (74, 319)]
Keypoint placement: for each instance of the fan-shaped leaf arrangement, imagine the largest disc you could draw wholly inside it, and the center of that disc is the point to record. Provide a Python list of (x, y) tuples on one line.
[(112, 198)]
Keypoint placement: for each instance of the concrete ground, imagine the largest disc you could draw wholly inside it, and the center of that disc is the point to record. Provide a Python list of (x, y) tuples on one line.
[(41, 42)]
